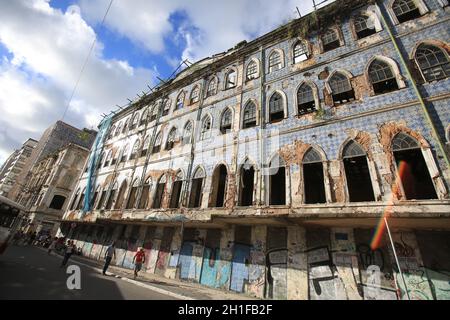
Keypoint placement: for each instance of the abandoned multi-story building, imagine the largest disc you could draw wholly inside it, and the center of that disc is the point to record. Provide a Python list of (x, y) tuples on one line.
[(271, 169)]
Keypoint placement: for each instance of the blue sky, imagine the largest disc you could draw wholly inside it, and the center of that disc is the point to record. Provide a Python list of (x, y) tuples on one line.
[(43, 45)]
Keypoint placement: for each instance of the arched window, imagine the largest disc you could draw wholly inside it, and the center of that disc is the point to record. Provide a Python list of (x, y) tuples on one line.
[(382, 78), (74, 200), (219, 182), (111, 132), (196, 188), (277, 181), (359, 183), (132, 198), (176, 191), (154, 113), (276, 108), (111, 197), (119, 129), (157, 202), (252, 70), (171, 139), (246, 185), (275, 61), (405, 10), (433, 62), (300, 51), (249, 118), (330, 40), (212, 87), (102, 198), (143, 202), (231, 79), (81, 200), (180, 101), (206, 128), (135, 150), (341, 88), (226, 121), (195, 94), (313, 179), (144, 117), (166, 107), (115, 156), (121, 196), (364, 26), (100, 160), (145, 146), (412, 169), (187, 133), (305, 99), (125, 126), (124, 153), (135, 121), (157, 145)]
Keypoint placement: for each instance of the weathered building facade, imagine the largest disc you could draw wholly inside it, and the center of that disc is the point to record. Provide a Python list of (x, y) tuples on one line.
[(268, 169)]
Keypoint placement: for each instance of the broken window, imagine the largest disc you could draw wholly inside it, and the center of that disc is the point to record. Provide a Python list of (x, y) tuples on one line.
[(176, 191), (166, 107), (157, 202), (277, 182), (247, 181), (212, 87), (219, 181), (313, 179), (125, 126), (171, 139), (187, 133), (119, 128), (275, 61), (330, 40), (305, 99), (57, 202), (195, 94), (180, 101), (100, 160), (144, 117), (249, 119), (157, 146), (382, 77), (81, 200), (231, 78), (143, 202), (276, 108), (111, 132), (124, 154), (132, 198), (102, 199), (154, 114), (112, 194), (433, 62), (135, 150), (405, 10), (300, 51), (94, 198), (121, 196), (341, 89), (145, 146), (196, 189), (225, 122), (135, 121), (206, 128), (108, 159), (364, 26), (359, 183), (252, 70), (114, 159), (412, 168)]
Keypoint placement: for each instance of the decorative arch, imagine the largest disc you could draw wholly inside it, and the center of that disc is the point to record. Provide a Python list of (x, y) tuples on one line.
[(285, 104), (226, 124), (212, 86), (205, 130), (394, 68), (281, 64), (194, 97), (346, 73), (369, 12), (315, 92), (420, 5), (243, 115), (181, 100), (254, 71), (303, 54), (426, 45), (230, 82)]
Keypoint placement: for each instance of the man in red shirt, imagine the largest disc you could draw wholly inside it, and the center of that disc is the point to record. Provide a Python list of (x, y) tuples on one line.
[(138, 259)]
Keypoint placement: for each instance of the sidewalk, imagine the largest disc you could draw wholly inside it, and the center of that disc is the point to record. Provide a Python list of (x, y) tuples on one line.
[(172, 287)]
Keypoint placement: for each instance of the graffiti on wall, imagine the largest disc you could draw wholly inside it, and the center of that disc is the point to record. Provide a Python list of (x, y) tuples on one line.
[(256, 277), (224, 268), (277, 273), (211, 257), (240, 267)]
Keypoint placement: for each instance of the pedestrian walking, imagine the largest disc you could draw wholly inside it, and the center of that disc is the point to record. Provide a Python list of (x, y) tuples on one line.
[(52, 245), (138, 259), (109, 254), (68, 252)]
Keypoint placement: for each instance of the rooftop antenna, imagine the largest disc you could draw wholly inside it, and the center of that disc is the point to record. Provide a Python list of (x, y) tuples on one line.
[(298, 11)]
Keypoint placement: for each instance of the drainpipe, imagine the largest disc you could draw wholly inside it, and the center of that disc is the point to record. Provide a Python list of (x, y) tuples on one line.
[(414, 84), (262, 73)]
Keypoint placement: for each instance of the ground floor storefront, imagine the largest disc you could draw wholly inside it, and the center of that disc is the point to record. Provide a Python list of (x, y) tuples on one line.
[(284, 261)]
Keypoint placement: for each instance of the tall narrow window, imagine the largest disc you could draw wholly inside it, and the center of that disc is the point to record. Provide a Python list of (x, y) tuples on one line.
[(171, 139), (133, 193), (111, 197), (176, 191), (249, 119), (330, 40), (187, 133), (125, 126), (382, 77), (433, 61), (277, 182), (74, 200), (195, 94), (342, 90), (196, 189), (166, 107), (231, 79), (225, 122), (160, 187), (154, 113), (364, 26), (157, 145), (115, 156), (135, 150), (102, 198), (100, 160), (300, 52), (276, 108), (119, 129), (134, 122), (252, 70), (145, 146), (305, 99), (412, 168), (180, 101), (143, 202), (275, 61), (405, 10), (212, 87), (359, 183), (94, 198), (246, 186), (81, 200), (124, 154), (111, 132), (313, 179), (121, 196), (206, 128), (219, 182), (144, 117)]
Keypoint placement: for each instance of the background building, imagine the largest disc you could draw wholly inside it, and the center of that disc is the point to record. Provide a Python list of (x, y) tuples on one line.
[(268, 169)]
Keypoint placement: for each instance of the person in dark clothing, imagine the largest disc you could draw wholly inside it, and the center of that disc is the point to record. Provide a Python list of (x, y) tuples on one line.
[(68, 252), (109, 254)]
